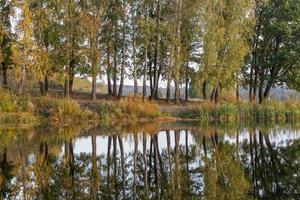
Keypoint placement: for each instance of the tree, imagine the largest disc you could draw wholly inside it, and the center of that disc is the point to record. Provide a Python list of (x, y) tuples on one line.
[(227, 25), (5, 39), (41, 21), (25, 46), (91, 20), (274, 60), (72, 36), (123, 47)]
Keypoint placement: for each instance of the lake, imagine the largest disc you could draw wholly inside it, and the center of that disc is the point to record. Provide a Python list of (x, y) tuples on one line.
[(151, 161)]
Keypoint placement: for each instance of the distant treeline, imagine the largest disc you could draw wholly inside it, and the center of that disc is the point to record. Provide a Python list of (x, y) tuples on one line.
[(205, 46)]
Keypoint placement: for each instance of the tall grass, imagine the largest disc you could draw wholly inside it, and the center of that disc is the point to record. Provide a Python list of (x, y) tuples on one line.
[(268, 111), (128, 109), (15, 109), (62, 111), (138, 108)]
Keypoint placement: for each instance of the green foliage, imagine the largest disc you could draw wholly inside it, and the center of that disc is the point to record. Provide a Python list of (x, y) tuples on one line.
[(226, 30)]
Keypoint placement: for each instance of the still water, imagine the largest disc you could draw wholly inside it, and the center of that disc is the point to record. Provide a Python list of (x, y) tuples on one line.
[(151, 161)]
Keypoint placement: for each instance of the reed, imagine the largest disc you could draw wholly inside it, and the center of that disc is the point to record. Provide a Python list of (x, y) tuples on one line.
[(268, 111)]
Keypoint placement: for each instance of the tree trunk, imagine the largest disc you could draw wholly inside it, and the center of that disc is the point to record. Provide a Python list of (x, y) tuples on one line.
[(187, 82), (151, 78), (145, 72), (135, 82), (21, 84), (212, 95), (251, 84), (115, 73), (4, 74), (157, 50), (178, 53), (177, 92), (267, 91), (67, 88), (237, 92), (123, 54), (122, 77), (94, 87), (254, 93), (42, 87), (260, 92), (170, 72), (71, 81), (204, 89), (157, 83), (46, 83), (108, 71), (216, 99), (69, 72)]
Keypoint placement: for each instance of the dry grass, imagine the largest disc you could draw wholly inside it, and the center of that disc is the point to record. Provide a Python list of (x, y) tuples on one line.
[(138, 108), (129, 109), (62, 111), (15, 109)]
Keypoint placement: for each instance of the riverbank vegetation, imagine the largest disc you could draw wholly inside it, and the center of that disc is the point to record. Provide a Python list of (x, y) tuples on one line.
[(268, 112), (127, 110), (25, 110)]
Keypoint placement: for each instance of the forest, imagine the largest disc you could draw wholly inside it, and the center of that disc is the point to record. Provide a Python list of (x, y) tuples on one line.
[(197, 47)]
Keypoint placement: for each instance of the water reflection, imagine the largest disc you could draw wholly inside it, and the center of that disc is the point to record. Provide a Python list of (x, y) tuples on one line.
[(174, 161)]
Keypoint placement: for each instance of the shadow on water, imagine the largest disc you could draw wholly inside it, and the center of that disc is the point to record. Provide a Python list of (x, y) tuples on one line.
[(151, 161)]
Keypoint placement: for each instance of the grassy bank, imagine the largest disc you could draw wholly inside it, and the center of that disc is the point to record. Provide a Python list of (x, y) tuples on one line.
[(26, 110), (268, 111), (16, 110), (127, 110)]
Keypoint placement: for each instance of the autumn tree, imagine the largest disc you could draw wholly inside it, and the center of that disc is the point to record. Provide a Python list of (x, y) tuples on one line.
[(5, 38), (91, 20), (227, 25)]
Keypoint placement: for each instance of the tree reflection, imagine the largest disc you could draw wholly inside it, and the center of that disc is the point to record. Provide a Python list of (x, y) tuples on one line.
[(200, 163)]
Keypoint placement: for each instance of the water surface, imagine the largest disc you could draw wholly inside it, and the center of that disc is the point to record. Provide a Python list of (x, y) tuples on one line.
[(150, 161)]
